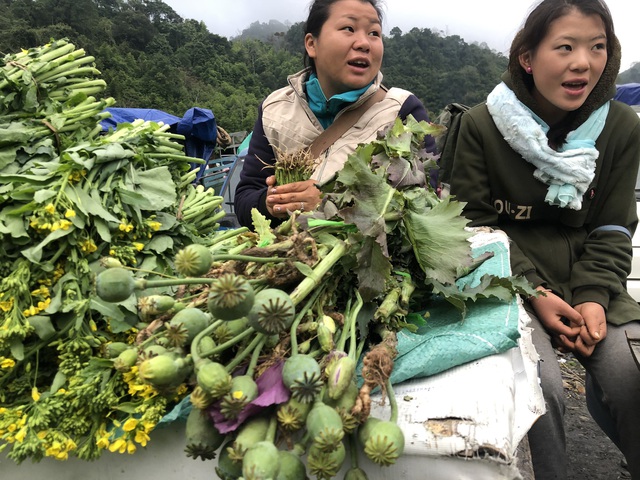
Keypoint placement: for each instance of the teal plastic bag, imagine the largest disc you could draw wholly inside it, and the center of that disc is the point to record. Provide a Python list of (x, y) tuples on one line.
[(446, 341)]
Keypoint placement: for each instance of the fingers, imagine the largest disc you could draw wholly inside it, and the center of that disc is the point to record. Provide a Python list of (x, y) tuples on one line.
[(558, 327), (300, 196), (583, 348), (564, 344), (271, 181)]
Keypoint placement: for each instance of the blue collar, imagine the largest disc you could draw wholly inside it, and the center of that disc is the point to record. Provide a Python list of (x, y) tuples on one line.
[(326, 110)]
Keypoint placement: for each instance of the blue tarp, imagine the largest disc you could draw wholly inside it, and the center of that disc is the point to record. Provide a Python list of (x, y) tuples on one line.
[(198, 125), (628, 93)]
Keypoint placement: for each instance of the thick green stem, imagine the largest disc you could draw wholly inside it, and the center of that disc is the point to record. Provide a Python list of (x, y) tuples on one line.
[(229, 234), (309, 284), (272, 430), (143, 284), (255, 356), (353, 450), (221, 257), (299, 316), (230, 343), (348, 331), (353, 344), (392, 402), (240, 356), (195, 351)]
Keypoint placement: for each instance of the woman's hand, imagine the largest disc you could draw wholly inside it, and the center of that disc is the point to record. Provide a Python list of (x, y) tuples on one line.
[(562, 321), (283, 199), (594, 329)]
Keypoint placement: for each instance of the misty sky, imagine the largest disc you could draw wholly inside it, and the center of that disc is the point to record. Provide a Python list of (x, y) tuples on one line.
[(491, 21)]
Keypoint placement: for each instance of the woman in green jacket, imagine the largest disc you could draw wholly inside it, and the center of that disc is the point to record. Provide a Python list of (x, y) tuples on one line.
[(552, 161)]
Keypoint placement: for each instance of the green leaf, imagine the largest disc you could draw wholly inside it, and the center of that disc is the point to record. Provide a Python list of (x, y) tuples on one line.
[(160, 243), (17, 349), (11, 225), (111, 152), (155, 187), (58, 382), (438, 236), (305, 269), (262, 227), (43, 196), (103, 229), (118, 320), (7, 155), (88, 205), (34, 254), (42, 325), (368, 197), (373, 270)]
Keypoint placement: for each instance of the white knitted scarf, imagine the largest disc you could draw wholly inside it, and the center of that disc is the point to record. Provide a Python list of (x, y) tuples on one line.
[(567, 172)]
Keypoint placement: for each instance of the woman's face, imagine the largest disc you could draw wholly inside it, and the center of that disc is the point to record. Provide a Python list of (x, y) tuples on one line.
[(567, 64), (348, 51)]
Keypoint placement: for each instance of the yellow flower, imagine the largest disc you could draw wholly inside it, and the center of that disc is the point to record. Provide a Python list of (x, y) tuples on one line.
[(125, 227), (7, 305), (155, 226), (65, 224), (35, 394), (44, 305), (88, 246), (142, 437), (43, 291), (130, 425), (69, 213), (131, 447), (120, 446), (22, 433), (103, 437), (30, 312), (7, 362), (51, 209), (138, 246)]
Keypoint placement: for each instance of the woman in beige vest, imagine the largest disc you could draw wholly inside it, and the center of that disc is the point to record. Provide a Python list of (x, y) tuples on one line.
[(344, 52)]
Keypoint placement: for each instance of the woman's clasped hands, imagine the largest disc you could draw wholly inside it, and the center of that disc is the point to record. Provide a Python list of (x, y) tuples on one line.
[(577, 329)]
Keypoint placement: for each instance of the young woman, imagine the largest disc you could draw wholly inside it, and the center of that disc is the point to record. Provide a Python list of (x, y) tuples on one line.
[(550, 159), (344, 49)]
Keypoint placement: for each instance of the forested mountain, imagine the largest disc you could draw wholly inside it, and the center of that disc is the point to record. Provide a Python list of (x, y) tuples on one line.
[(151, 57)]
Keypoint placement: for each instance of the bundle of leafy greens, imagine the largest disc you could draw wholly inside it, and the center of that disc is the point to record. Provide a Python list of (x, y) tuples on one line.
[(70, 196), (403, 232)]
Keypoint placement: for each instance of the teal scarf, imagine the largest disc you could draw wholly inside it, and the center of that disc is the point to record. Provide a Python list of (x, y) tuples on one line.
[(326, 110)]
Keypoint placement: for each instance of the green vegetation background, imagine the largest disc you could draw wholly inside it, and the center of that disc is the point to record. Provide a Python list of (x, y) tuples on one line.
[(151, 57)]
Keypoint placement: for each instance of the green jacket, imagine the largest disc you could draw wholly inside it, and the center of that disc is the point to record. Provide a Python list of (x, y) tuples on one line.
[(558, 248)]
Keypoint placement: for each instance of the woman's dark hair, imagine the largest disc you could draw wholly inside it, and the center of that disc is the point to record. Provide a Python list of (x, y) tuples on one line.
[(530, 36), (539, 21), (319, 12)]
